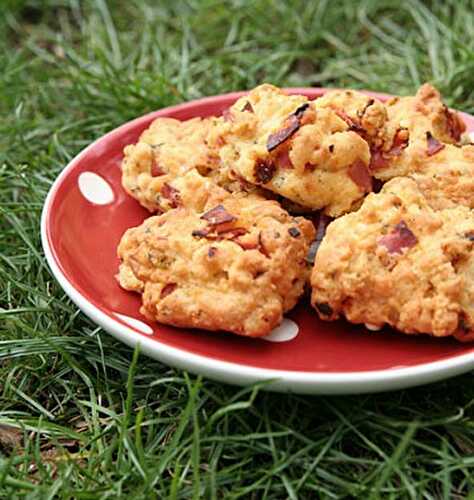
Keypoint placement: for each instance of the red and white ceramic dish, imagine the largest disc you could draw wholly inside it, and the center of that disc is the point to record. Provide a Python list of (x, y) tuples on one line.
[(86, 213)]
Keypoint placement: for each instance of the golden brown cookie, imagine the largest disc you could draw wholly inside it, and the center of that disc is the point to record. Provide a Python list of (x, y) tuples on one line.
[(397, 261), (237, 267), (289, 146), (167, 150)]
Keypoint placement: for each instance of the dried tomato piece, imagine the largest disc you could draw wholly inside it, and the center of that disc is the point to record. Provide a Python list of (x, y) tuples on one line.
[(293, 124), (156, 170), (283, 159), (434, 146), (221, 233), (264, 170), (353, 124), (360, 175), (380, 159), (249, 242), (456, 125), (344, 116), (248, 107), (230, 234), (400, 142), (401, 237), (218, 215), (224, 227), (246, 245), (167, 289), (274, 140), (171, 194), (377, 160), (202, 233)]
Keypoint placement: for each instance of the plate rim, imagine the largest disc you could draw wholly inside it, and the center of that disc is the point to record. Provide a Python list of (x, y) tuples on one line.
[(304, 382)]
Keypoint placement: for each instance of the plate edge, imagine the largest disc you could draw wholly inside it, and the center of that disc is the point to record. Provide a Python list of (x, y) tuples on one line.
[(233, 373)]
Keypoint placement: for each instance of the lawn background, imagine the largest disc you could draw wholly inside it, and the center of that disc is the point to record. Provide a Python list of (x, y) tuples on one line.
[(80, 417)]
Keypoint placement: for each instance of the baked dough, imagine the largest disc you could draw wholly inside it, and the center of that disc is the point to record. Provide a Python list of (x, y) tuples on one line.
[(238, 266), (292, 147), (397, 261)]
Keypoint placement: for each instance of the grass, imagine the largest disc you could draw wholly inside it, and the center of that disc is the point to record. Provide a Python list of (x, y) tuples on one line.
[(81, 416)]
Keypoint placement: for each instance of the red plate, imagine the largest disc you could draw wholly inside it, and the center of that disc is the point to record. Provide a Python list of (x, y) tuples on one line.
[(84, 217)]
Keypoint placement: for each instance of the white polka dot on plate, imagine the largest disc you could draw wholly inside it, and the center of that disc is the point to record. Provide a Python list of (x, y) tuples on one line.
[(373, 328), (287, 331), (135, 323), (95, 189)]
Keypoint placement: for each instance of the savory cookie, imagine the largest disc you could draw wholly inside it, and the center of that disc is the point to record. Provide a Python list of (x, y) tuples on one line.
[(236, 267), (397, 261), (165, 151), (415, 124), (291, 147)]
